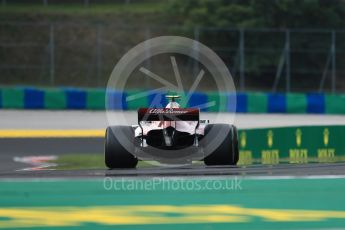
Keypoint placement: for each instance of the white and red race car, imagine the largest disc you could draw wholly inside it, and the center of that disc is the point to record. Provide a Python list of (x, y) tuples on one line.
[(171, 135)]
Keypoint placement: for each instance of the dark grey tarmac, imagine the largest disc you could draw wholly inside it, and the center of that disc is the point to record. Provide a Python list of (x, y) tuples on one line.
[(13, 147), (305, 170)]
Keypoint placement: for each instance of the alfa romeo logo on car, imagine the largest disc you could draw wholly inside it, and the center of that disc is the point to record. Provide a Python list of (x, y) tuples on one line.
[(175, 134), (167, 111)]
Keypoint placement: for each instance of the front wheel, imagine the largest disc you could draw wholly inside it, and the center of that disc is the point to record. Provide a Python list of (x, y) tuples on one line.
[(115, 154), (227, 152)]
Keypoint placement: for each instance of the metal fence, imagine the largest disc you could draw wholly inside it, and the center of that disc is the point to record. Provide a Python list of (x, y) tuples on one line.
[(83, 54)]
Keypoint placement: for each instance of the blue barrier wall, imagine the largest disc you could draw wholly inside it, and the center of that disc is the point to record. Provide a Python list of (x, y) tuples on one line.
[(95, 99)]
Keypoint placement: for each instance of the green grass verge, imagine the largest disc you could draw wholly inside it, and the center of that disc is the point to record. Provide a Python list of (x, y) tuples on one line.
[(85, 161), (79, 9), (79, 161)]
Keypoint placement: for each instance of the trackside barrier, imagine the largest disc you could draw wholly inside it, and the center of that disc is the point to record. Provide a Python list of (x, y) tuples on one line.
[(94, 99), (292, 145)]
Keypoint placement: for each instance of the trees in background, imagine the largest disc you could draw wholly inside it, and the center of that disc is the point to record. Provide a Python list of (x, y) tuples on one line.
[(309, 51), (260, 13)]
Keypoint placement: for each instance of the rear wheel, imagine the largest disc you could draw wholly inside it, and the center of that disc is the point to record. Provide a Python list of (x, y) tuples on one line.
[(117, 156), (227, 152)]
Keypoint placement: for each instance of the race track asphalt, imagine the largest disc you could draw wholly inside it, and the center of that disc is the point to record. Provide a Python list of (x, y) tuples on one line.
[(83, 120), (336, 170), (19, 147)]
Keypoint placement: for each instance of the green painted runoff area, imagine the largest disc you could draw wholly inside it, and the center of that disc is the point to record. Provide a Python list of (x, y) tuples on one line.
[(220, 203)]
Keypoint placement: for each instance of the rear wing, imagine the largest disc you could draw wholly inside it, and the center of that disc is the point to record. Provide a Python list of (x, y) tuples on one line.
[(168, 114)]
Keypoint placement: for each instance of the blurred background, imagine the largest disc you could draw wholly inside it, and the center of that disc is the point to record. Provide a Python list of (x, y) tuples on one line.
[(269, 46)]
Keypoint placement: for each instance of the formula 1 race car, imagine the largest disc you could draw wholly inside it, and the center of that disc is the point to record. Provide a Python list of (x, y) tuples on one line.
[(170, 134)]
